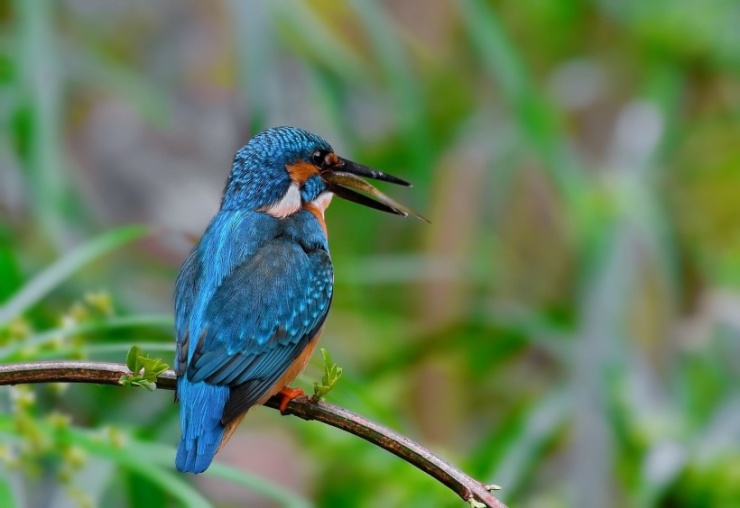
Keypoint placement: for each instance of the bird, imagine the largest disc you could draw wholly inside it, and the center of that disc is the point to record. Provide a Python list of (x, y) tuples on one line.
[(252, 297)]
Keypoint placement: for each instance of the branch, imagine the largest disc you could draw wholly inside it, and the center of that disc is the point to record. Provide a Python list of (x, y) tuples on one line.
[(303, 407)]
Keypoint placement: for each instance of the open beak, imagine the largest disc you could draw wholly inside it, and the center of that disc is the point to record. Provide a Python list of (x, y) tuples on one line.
[(343, 179)]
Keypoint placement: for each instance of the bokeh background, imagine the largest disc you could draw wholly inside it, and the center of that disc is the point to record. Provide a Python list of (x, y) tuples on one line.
[(568, 326)]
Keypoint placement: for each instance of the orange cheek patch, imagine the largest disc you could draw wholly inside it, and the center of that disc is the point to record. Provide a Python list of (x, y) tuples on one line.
[(301, 171)]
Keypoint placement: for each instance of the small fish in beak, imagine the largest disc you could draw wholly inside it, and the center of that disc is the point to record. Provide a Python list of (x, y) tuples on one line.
[(343, 179)]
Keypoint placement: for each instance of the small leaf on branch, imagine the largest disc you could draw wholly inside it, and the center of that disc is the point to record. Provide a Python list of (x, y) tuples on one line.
[(144, 370), (132, 359), (332, 373)]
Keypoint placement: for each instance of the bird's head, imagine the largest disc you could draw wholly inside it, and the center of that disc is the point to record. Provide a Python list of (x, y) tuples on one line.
[(282, 169)]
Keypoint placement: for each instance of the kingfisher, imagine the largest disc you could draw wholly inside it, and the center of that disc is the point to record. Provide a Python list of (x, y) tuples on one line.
[(252, 297)]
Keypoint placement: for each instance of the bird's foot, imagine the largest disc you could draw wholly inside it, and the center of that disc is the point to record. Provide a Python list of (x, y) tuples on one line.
[(288, 394)]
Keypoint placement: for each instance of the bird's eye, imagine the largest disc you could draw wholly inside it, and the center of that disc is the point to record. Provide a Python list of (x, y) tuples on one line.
[(319, 158)]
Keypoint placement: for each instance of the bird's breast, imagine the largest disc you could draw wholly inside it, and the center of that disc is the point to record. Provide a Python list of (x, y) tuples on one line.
[(318, 206)]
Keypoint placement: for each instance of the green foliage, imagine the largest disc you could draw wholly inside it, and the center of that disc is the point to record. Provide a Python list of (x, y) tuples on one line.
[(38, 442), (33, 291), (574, 296), (144, 370), (332, 373)]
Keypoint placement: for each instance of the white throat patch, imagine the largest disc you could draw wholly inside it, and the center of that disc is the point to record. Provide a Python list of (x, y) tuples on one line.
[(322, 202), (288, 204)]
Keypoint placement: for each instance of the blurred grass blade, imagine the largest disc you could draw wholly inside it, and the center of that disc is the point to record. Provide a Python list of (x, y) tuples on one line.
[(41, 80), (11, 278), (165, 456), (410, 109), (90, 65), (131, 458), (115, 323), (528, 443), (256, 57), (312, 36), (55, 274), (256, 484), (125, 454), (124, 347), (537, 119), (7, 498), (496, 48)]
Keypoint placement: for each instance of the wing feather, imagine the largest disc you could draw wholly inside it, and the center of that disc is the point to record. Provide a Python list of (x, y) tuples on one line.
[(260, 319), (186, 289)]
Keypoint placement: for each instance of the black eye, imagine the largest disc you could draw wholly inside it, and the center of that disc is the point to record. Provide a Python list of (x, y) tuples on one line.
[(319, 158)]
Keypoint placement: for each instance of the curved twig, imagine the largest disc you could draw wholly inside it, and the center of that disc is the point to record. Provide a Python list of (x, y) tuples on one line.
[(302, 407)]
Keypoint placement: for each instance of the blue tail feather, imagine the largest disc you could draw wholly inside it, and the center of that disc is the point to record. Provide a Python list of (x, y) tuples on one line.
[(201, 407)]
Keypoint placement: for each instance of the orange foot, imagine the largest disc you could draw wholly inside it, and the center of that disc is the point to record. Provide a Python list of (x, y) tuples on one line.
[(288, 394)]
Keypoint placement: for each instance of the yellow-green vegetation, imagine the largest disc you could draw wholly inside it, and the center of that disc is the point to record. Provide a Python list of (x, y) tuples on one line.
[(566, 326), (332, 373), (144, 369)]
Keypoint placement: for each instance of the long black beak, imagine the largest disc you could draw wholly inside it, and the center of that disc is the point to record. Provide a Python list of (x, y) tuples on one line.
[(343, 179)]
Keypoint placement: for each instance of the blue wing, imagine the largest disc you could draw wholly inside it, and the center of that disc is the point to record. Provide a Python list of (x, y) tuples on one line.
[(186, 290), (247, 301), (260, 319)]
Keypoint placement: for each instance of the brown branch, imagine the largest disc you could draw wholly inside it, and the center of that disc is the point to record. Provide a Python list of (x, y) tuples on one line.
[(302, 407)]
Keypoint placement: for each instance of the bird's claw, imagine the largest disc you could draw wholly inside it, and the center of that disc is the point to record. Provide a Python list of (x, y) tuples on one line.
[(288, 394)]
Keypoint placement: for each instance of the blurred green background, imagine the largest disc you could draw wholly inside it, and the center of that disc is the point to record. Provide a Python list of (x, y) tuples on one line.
[(568, 326)]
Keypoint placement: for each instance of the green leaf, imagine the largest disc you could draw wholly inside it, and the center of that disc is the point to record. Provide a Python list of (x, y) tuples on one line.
[(146, 384), (332, 373), (132, 359), (144, 370)]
